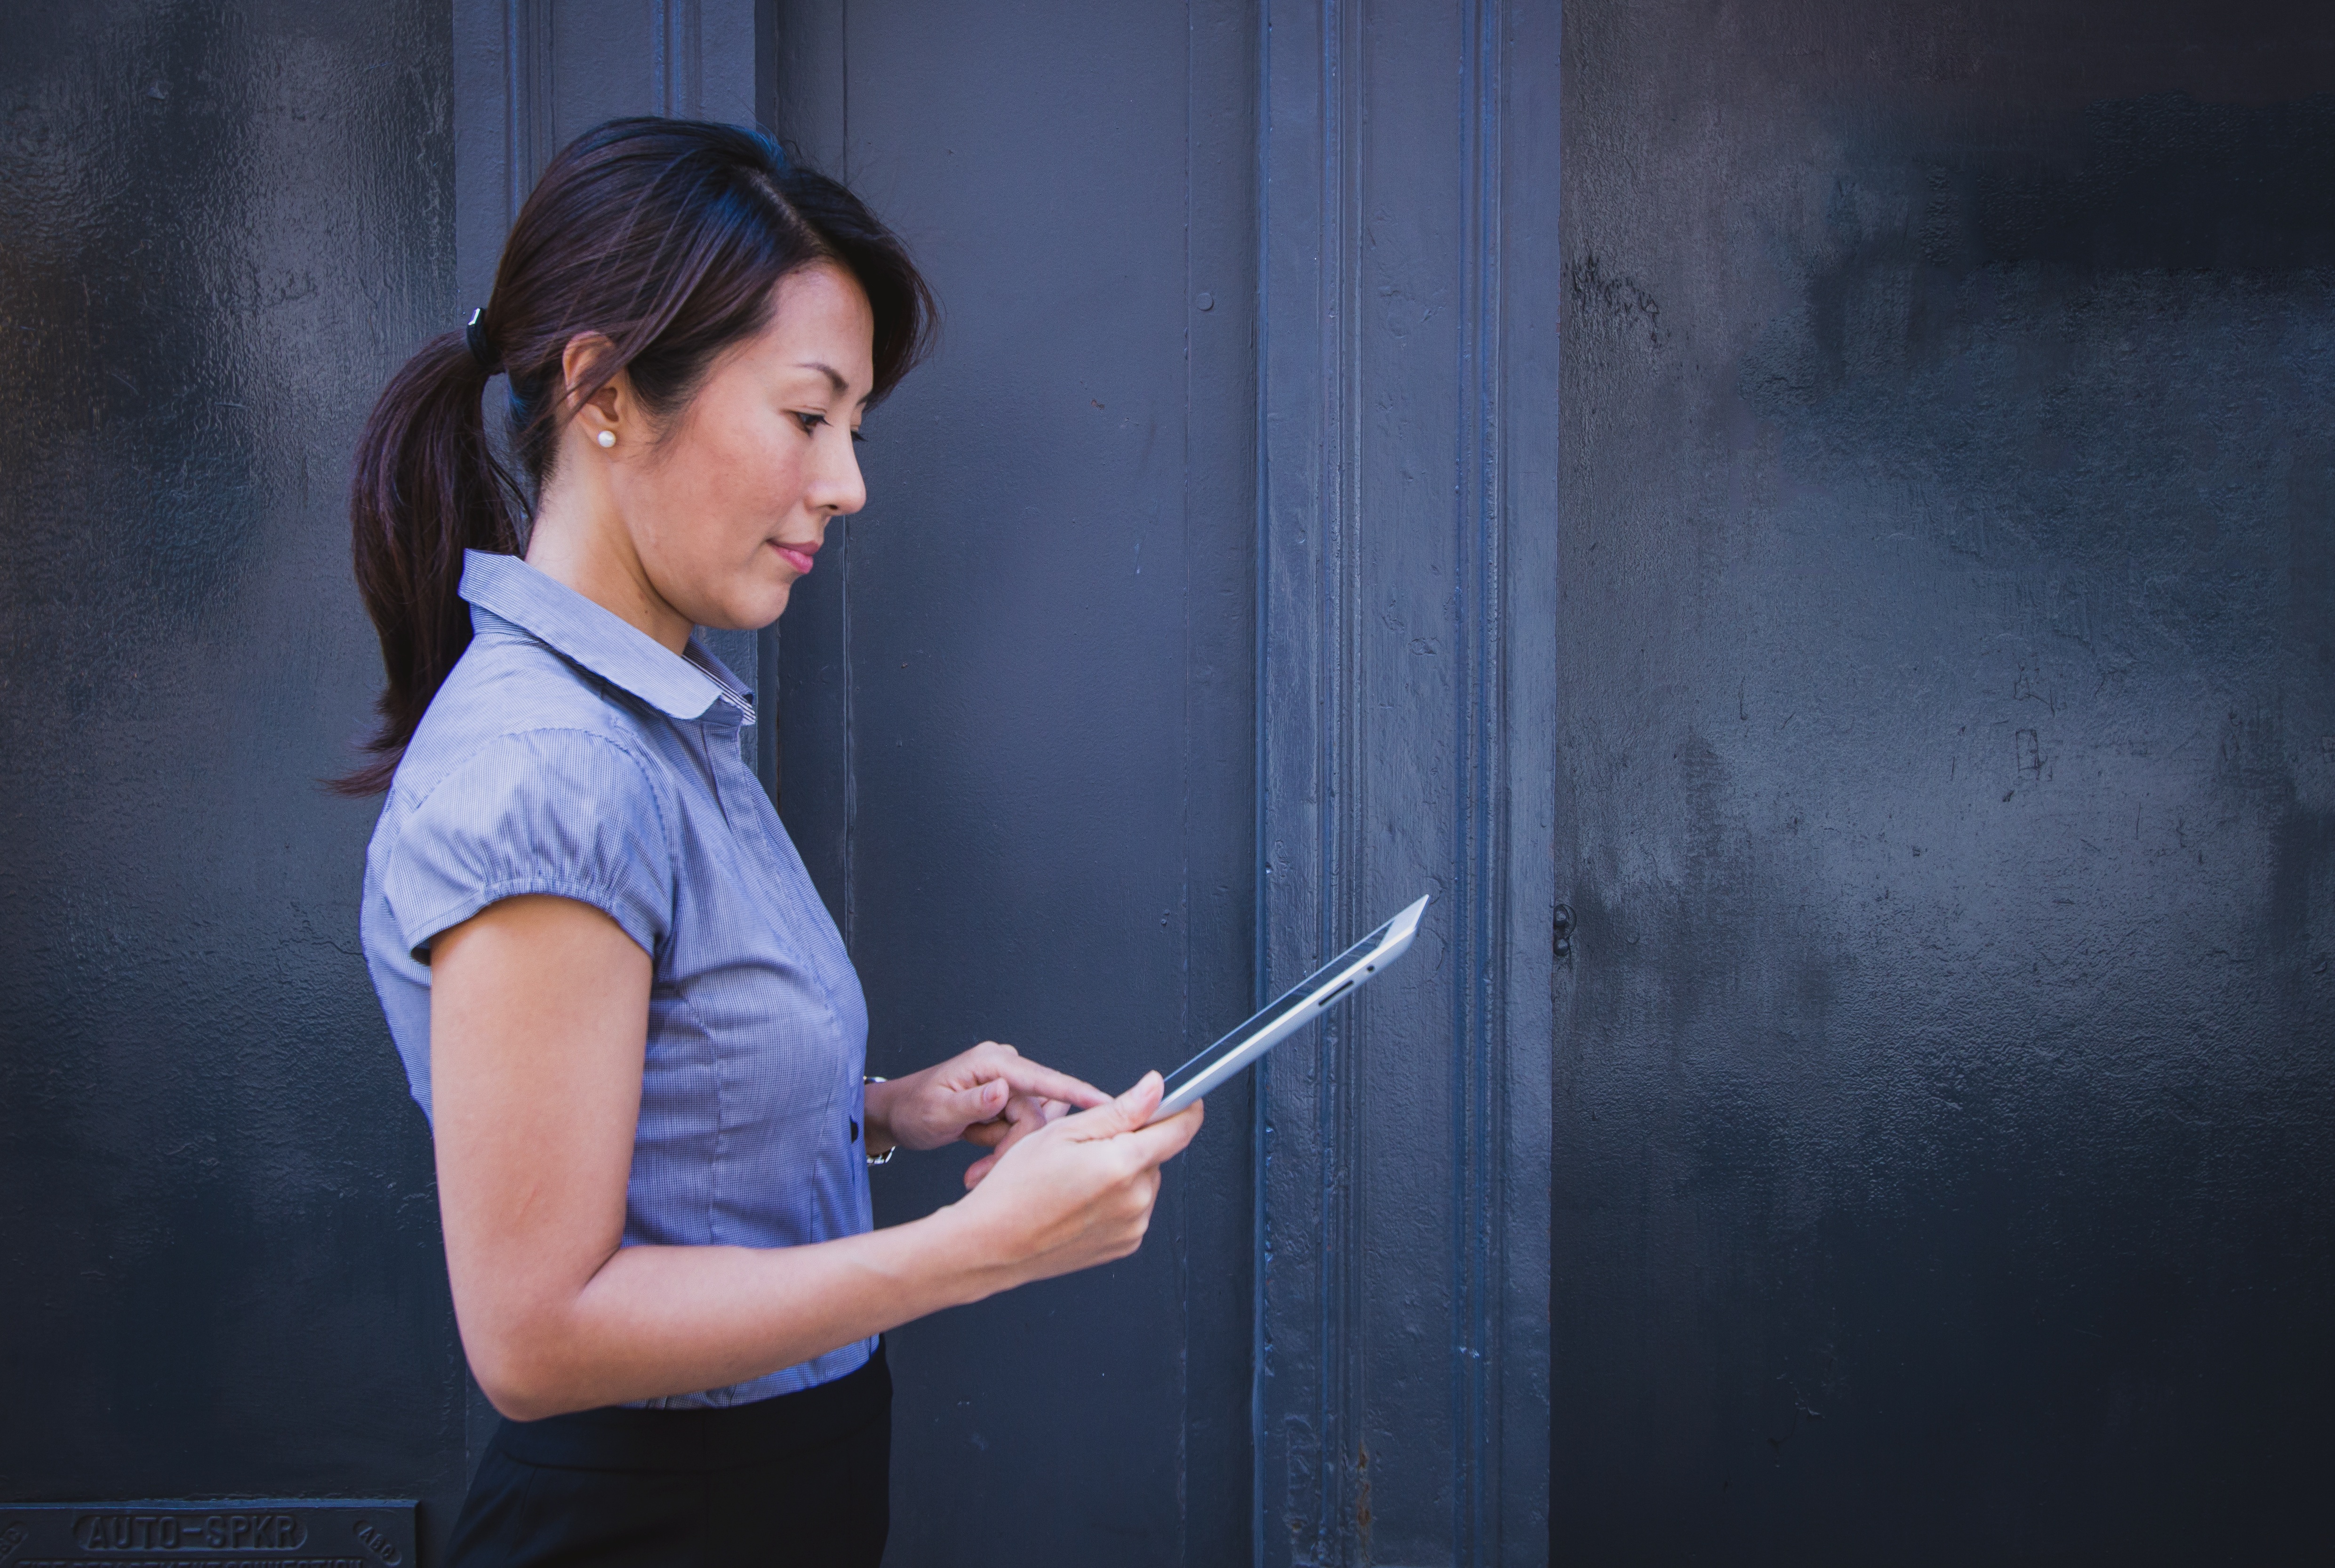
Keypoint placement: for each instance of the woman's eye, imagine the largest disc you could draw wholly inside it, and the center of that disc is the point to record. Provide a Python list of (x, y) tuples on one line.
[(811, 421), (858, 438)]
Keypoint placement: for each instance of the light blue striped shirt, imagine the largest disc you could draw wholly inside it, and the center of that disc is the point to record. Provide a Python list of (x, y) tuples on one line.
[(570, 753)]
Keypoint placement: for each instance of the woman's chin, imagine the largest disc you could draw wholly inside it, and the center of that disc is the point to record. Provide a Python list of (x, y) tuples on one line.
[(752, 612)]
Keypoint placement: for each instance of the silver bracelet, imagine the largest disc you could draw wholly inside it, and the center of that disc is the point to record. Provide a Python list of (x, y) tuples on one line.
[(886, 1157)]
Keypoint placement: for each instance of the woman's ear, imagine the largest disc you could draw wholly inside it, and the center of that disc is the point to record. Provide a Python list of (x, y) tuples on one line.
[(606, 402), (579, 361), (578, 364)]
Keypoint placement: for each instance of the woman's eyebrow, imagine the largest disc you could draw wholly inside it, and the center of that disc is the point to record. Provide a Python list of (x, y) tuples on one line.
[(834, 376)]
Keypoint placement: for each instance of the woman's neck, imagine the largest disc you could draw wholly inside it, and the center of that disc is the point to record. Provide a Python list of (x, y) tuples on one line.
[(579, 539)]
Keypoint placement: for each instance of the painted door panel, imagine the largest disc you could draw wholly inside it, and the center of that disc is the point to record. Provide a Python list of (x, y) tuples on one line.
[(1947, 1074)]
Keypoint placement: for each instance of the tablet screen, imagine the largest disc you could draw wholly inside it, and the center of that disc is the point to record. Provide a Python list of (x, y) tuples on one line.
[(1289, 1001)]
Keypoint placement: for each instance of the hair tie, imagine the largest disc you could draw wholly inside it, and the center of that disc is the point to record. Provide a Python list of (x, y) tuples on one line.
[(480, 349)]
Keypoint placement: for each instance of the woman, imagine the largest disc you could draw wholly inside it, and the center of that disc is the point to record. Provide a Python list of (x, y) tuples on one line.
[(634, 1027)]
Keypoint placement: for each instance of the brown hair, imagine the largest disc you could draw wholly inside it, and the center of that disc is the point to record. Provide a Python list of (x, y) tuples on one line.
[(667, 236)]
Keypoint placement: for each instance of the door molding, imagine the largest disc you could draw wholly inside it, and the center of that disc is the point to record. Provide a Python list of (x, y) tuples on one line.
[(1406, 588), (519, 93)]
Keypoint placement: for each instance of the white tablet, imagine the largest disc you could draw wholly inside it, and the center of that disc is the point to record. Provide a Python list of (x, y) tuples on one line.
[(1296, 1008)]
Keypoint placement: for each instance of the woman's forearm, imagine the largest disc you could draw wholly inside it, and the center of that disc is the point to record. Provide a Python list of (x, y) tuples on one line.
[(654, 1320), (536, 1067)]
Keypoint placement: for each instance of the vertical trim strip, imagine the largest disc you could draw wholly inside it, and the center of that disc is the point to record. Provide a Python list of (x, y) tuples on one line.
[(1522, 77), (1311, 1131), (1261, 958), (1479, 847), (1395, 723), (673, 61), (843, 595), (518, 109)]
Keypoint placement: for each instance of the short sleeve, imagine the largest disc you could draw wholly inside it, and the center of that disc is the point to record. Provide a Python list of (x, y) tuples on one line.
[(563, 812)]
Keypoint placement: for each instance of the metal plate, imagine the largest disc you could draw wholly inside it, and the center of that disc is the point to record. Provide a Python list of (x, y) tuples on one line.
[(262, 1533)]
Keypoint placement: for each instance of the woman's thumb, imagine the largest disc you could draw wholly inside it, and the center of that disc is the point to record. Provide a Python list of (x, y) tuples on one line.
[(1122, 1114), (1137, 1103)]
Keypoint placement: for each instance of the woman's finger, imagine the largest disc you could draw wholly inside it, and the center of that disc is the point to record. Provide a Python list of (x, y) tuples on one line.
[(986, 1134), (1021, 1116), (1164, 1140), (1115, 1117), (961, 1108), (1039, 1082)]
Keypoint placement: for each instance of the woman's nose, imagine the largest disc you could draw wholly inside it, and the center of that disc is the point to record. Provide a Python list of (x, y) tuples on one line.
[(837, 486)]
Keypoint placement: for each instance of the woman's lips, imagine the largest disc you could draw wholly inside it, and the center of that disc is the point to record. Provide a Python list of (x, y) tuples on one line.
[(798, 559)]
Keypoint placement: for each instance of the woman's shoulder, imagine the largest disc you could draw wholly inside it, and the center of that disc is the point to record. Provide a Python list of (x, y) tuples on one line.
[(520, 781), (513, 703), (525, 776)]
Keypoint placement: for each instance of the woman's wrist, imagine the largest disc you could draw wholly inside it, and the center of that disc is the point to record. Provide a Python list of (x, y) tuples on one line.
[(967, 1262), (875, 1123)]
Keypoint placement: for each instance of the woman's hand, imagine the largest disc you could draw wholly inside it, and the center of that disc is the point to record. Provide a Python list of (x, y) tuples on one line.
[(539, 1013), (1078, 1191), (991, 1095), (1023, 1115)]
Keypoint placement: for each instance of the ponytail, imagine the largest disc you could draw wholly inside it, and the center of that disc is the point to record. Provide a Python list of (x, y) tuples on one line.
[(427, 487), (669, 239)]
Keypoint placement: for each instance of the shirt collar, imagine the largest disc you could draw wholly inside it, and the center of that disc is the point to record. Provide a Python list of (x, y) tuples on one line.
[(684, 686)]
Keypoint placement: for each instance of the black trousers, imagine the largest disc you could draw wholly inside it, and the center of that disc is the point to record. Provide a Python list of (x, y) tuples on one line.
[(803, 1478)]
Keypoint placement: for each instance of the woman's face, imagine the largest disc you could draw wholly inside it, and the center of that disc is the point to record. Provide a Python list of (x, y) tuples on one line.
[(728, 509)]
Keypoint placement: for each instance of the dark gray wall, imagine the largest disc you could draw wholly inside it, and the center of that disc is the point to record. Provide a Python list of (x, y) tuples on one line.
[(225, 226), (1017, 713), (1946, 1076)]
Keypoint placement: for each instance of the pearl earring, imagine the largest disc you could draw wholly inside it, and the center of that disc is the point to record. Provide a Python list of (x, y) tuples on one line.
[(606, 438)]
